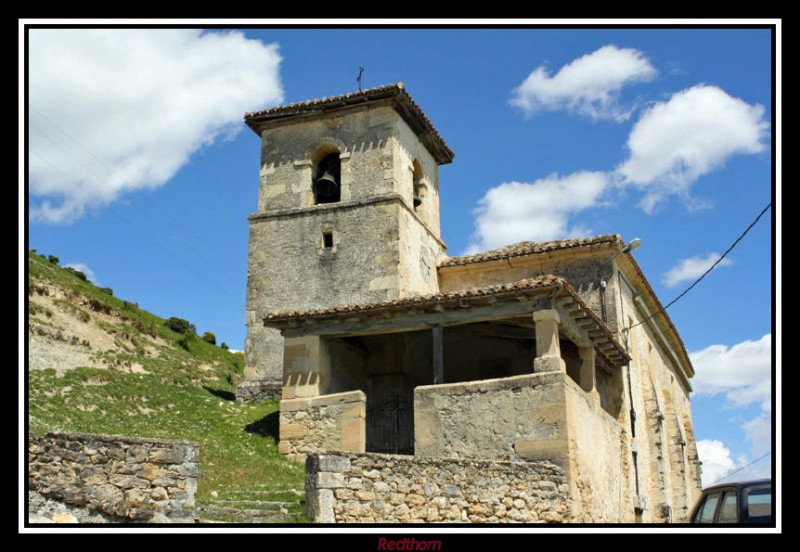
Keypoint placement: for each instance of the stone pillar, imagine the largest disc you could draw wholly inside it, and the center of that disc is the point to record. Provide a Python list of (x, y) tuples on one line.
[(305, 367), (588, 379), (548, 350)]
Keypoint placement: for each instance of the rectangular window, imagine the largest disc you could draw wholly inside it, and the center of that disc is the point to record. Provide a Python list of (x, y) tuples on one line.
[(327, 240)]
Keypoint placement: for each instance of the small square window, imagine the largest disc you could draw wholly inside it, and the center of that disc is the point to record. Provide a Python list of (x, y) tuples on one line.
[(327, 240)]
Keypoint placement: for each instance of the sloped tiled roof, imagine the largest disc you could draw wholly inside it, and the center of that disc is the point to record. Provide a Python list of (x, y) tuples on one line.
[(403, 103), (552, 286), (530, 248), (545, 281), (521, 249)]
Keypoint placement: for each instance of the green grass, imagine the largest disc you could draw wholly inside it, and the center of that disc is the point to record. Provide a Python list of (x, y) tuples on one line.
[(186, 394)]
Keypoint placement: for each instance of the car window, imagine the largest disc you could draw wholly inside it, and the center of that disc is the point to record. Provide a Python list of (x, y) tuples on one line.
[(708, 509), (728, 511), (759, 503)]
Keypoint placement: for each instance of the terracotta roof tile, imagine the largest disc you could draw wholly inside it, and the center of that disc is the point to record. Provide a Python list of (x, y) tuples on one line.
[(545, 284), (529, 248), (545, 281), (442, 151)]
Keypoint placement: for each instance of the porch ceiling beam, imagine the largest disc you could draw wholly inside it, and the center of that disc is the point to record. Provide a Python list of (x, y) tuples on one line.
[(568, 326), (403, 320)]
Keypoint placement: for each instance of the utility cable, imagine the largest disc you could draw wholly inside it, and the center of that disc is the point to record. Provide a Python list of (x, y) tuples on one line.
[(697, 281), (737, 470)]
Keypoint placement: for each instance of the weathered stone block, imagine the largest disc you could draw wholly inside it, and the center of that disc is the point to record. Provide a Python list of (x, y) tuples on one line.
[(334, 463), (159, 494), (166, 456), (293, 431), (330, 480), (128, 481)]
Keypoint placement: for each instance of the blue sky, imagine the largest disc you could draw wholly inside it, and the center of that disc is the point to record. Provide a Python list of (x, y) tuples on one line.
[(142, 172)]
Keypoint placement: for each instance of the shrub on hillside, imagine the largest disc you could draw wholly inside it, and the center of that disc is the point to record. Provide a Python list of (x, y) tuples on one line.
[(77, 273), (224, 346), (107, 290), (209, 337), (179, 325), (53, 259), (183, 341)]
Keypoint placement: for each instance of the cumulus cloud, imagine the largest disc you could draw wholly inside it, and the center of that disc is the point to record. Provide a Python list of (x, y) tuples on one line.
[(742, 372), (693, 133), (688, 269), (516, 211), (589, 85), (80, 267), (759, 434), (716, 459), (717, 462), (117, 110)]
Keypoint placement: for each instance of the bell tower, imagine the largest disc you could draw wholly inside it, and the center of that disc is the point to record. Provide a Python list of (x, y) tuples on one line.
[(348, 213)]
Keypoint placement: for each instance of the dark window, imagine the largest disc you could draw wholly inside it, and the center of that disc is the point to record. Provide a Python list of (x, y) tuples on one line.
[(419, 187), (759, 504), (706, 512), (327, 180), (728, 511), (327, 240)]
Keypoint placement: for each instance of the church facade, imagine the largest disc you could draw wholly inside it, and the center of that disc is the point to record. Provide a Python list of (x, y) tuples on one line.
[(378, 342)]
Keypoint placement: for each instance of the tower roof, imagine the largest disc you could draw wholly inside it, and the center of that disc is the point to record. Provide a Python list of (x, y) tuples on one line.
[(391, 94)]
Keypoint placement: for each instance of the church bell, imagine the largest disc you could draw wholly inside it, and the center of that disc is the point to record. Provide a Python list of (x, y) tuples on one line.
[(326, 187)]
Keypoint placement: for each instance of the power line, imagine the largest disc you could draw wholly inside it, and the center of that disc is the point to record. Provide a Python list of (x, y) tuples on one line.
[(737, 470), (697, 281)]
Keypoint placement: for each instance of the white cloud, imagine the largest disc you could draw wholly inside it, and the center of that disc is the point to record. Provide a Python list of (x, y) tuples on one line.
[(759, 434), (688, 269), (117, 110), (589, 85), (516, 211), (716, 459), (86, 270), (693, 133), (742, 372)]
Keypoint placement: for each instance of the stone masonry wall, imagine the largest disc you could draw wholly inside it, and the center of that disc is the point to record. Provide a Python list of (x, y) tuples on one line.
[(132, 478), (519, 418), (380, 488), (327, 422)]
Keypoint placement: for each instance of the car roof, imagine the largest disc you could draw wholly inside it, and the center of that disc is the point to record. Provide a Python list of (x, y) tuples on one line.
[(740, 484)]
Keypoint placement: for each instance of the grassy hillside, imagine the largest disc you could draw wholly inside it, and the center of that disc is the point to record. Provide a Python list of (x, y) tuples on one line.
[(151, 382)]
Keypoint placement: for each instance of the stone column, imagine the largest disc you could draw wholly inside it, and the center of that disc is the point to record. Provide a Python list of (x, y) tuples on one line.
[(305, 367), (548, 351), (588, 379)]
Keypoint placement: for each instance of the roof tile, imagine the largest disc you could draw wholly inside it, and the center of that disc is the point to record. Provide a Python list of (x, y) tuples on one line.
[(529, 248)]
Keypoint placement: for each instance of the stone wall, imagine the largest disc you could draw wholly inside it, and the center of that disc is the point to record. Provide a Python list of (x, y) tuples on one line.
[(130, 478), (257, 390), (380, 488), (535, 417), (518, 418), (601, 486), (327, 422)]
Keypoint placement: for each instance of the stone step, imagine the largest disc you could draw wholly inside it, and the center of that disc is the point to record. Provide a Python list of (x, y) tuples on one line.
[(289, 495), (265, 505), (238, 515)]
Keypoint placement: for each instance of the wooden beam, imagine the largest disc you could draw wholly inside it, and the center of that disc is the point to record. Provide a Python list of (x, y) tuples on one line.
[(403, 321), (569, 328)]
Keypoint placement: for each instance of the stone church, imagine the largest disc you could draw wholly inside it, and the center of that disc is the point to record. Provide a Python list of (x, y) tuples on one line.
[(539, 353)]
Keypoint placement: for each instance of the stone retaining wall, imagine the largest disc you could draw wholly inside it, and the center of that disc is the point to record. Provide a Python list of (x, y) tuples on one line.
[(519, 418), (327, 422), (370, 488), (255, 390), (131, 478)]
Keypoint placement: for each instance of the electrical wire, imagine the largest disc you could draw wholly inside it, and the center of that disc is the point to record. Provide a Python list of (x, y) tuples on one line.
[(663, 309), (737, 470)]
